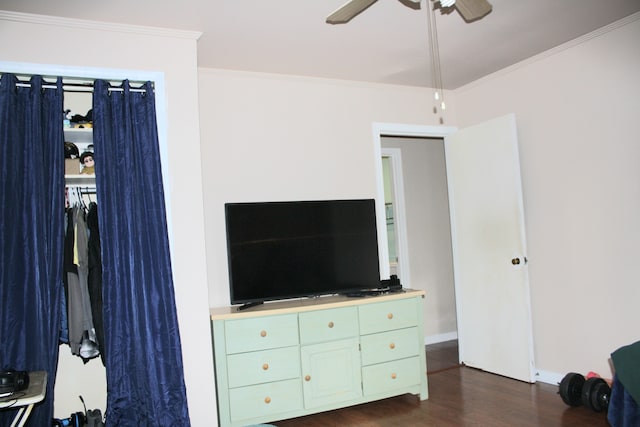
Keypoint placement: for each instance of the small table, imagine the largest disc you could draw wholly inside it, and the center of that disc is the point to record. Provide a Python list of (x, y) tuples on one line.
[(26, 399)]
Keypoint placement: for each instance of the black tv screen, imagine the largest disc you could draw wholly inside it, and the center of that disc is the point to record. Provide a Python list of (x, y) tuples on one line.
[(279, 250)]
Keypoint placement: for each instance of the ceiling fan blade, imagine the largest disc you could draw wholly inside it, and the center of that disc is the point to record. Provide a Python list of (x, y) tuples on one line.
[(413, 4), (472, 10), (348, 11)]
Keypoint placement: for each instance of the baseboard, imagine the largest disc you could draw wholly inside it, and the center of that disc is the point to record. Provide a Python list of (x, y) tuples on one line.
[(547, 377), (435, 339)]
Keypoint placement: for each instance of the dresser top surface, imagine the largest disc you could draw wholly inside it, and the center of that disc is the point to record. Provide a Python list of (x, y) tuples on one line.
[(308, 304)]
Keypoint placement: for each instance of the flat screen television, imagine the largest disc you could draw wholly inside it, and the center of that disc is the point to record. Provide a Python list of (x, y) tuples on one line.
[(281, 250)]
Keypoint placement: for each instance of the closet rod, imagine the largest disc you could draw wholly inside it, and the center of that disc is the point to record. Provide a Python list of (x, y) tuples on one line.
[(82, 189), (81, 87)]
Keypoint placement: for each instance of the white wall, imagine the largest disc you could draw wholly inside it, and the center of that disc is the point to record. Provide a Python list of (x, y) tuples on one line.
[(281, 137), (577, 109), (37, 44), (270, 137)]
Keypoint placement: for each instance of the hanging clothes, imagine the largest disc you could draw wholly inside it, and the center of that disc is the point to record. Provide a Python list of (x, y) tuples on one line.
[(95, 276), (82, 336), (68, 268)]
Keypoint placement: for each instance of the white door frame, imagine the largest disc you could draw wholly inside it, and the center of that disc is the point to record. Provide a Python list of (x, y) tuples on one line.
[(400, 130), (400, 222)]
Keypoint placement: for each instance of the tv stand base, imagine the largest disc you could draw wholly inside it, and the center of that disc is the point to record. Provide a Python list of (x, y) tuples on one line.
[(249, 305)]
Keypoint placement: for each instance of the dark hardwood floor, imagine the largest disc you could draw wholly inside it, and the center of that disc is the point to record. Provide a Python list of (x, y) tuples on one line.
[(461, 396)]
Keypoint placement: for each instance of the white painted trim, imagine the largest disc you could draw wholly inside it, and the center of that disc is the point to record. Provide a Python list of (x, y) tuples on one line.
[(395, 157), (395, 129), (97, 25), (381, 220), (86, 73), (438, 338), (454, 248), (547, 377)]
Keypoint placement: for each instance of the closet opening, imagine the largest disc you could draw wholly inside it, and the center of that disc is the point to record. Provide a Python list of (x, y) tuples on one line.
[(73, 377)]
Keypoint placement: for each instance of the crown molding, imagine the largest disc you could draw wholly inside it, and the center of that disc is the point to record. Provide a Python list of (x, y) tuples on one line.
[(97, 25)]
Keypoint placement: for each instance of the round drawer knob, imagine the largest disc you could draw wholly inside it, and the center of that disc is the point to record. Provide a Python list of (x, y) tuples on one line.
[(330, 324), (267, 400), (390, 316), (392, 346), (307, 378), (265, 366), (394, 376), (263, 333)]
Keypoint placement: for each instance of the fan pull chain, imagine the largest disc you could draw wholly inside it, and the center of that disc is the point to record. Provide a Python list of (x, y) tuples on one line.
[(436, 70)]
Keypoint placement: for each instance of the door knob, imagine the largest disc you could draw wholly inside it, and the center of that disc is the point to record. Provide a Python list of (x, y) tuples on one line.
[(515, 261)]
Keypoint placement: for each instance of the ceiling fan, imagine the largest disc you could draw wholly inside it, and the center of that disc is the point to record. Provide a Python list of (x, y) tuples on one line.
[(470, 10)]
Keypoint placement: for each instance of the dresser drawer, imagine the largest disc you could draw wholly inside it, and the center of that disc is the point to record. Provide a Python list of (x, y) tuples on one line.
[(385, 316), (392, 345), (328, 325), (264, 366), (268, 399), (261, 333), (385, 377)]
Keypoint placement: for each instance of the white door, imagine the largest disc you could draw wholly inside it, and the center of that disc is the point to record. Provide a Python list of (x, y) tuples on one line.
[(489, 249)]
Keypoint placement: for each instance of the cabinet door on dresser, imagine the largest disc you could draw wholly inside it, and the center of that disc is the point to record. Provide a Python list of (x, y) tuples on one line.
[(330, 356), (331, 372)]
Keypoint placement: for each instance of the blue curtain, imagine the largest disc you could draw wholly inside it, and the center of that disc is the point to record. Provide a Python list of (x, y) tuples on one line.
[(31, 231), (145, 383)]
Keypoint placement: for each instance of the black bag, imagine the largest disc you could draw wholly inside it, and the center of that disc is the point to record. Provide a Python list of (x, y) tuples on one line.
[(12, 381)]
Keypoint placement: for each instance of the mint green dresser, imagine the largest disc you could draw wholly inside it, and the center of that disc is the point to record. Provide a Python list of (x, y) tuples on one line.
[(293, 358)]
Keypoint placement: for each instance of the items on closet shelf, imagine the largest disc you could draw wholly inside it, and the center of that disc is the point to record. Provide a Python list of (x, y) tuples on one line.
[(82, 278)]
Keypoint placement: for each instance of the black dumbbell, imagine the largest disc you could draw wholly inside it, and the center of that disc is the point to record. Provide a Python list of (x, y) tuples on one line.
[(593, 393), (571, 389)]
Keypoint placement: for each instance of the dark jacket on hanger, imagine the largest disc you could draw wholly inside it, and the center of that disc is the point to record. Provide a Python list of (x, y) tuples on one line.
[(95, 276)]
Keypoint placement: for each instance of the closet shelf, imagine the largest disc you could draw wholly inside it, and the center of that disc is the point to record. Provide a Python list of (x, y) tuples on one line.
[(78, 135), (80, 180)]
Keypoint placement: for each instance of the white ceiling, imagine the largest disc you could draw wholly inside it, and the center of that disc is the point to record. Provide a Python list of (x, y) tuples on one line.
[(387, 43)]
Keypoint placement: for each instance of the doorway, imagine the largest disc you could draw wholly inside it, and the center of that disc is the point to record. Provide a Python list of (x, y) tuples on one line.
[(418, 227)]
